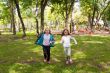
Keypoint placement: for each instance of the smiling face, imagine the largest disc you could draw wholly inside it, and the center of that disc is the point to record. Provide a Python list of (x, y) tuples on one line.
[(47, 31), (65, 32)]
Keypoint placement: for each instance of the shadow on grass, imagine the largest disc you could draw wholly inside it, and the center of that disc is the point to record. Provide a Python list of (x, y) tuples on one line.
[(23, 56)]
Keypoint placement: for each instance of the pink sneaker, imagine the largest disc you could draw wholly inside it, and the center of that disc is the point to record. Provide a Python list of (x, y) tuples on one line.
[(70, 61), (45, 60), (48, 62)]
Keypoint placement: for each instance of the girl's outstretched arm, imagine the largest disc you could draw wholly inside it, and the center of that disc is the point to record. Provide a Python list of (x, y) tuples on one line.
[(61, 41), (74, 40)]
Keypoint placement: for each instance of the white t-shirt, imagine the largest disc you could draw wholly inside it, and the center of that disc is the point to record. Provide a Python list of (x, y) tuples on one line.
[(46, 40), (66, 40)]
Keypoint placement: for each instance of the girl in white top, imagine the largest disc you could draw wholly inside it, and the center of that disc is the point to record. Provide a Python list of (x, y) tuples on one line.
[(66, 41)]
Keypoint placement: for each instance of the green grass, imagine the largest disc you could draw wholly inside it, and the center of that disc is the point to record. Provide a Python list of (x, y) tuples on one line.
[(91, 55)]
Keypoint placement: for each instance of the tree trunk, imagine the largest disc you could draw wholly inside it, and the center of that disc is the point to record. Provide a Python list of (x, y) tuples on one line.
[(43, 5), (72, 16), (72, 26), (19, 26), (68, 11), (89, 20), (13, 22), (92, 22), (13, 19), (13, 28), (37, 26), (37, 22), (42, 18), (19, 14), (66, 19), (105, 26), (57, 24)]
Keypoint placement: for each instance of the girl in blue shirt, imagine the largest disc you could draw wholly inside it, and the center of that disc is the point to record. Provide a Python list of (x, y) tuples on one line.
[(46, 40)]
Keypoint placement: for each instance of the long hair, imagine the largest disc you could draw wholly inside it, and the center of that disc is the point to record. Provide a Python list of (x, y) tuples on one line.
[(64, 31)]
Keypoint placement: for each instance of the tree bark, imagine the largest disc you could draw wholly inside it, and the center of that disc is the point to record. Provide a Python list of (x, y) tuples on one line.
[(93, 16), (19, 26), (13, 28), (72, 26), (43, 5), (37, 22), (20, 17), (37, 26), (72, 16), (66, 19), (13, 19), (105, 22), (68, 11), (89, 20)]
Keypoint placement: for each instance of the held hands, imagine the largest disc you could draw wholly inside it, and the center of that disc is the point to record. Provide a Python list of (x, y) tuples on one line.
[(75, 42), (52, 42), (61, 42)]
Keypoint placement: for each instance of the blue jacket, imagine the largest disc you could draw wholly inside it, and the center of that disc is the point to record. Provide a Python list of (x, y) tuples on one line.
[(40, 40)]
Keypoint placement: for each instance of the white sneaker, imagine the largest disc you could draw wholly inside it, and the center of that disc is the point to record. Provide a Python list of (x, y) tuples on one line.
[(70, 61), (67, 62)]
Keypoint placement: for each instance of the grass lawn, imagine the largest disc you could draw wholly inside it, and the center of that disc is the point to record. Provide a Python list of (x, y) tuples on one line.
[(91, 55)]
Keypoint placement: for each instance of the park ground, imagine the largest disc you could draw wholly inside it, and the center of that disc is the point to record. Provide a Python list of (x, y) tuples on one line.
[(91, 55)]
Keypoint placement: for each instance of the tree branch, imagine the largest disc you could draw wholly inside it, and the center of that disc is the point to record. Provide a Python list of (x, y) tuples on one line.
[(104, 10), (72, 3)]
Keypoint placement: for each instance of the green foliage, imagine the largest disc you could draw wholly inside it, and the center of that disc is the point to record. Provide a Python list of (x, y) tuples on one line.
[(59, 7), (55, 10), (80, 19), (107, 13), (4, 13), (86, 6), (26, 4)]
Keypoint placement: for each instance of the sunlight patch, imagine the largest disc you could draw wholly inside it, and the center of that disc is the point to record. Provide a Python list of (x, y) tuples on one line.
[(83, 71), (99, 42), (57, 42), (67, 71), (36, 49), (57, 60), (105, 65), (18, 67), (45, 70), (101, 35), (28, 43), (79, 55)]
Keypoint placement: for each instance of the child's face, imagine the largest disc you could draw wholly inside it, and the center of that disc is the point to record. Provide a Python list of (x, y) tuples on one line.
[(47, 31), (66, 32)]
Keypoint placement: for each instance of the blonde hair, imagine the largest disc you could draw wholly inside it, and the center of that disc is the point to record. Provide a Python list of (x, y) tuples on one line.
[(48, 30)]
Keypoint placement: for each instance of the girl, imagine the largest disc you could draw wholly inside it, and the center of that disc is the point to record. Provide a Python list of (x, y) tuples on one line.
[(46, 41), (66, 44)]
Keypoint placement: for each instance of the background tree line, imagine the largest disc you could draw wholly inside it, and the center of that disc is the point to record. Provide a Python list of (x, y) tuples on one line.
[(27, 15)]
